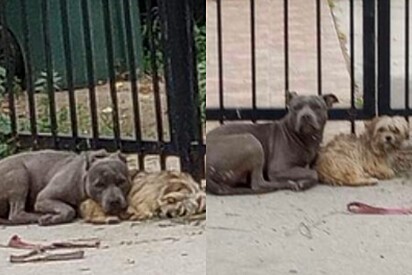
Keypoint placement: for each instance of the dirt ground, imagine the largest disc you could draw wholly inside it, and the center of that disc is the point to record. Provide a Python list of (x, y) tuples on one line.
[(155, 248)]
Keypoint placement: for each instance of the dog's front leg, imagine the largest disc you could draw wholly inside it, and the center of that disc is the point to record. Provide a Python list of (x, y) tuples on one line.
[(55, 212)]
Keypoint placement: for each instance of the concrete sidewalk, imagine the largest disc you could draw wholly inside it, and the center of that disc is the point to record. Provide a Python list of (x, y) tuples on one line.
[(152, 248), (310, 233)]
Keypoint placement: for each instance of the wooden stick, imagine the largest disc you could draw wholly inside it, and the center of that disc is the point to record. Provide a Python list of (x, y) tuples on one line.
[(42, 256)]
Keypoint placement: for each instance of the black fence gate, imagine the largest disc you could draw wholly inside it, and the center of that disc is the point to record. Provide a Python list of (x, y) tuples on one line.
[(376, 96), (163, 61)]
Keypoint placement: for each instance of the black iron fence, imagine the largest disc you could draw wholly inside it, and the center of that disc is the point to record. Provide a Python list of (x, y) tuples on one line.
[(106, 74), (367, 41)]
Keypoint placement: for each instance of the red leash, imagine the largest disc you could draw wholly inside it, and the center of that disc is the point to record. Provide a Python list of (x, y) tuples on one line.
[(362, 208)]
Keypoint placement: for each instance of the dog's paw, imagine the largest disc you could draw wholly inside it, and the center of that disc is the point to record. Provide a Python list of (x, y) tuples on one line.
[(47, 219), (112, 220), (301, 185), (385, 175), (370, 181)]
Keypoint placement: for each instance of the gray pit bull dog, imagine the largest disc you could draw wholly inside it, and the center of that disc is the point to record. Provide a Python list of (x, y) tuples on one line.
[(46, 187), (258, 158)]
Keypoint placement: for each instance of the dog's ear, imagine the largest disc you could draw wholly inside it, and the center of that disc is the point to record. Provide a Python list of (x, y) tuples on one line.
[(92, 156), (330, 99), (289, 96), (370, 125), (120, 156)]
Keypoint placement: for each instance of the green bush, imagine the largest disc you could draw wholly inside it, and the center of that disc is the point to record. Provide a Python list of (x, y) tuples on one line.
[(17, 90)]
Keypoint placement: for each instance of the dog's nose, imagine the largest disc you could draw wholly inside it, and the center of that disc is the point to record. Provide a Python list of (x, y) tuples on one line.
[(306, 117), (116, 205), (388, 138)]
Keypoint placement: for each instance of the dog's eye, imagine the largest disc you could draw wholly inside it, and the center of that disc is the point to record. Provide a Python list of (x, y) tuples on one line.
[(396, 131), (381, 130), (297, 107), (99, 185), (120, 183), (316, 107)]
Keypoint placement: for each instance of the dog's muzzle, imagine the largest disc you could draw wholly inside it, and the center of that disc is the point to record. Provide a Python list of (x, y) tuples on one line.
[(307, 122), (113, 201)]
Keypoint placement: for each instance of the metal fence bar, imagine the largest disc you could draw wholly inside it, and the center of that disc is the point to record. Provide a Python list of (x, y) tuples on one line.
[(132, 75), (245, 114), (69, 69), (129, 146), (253, 53), (155, 81), (407, 54), (352, 61), (180, 72), (319, 45), (286, 42), (88, 46), (29, 73), (112, 73), (49, 69), (198, 146), (384, 57), (369, 58), (220, 55)]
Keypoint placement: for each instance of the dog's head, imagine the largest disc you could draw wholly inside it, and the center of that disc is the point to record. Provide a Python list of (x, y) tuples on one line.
[(386, 133), (107, 181), (308, 114)]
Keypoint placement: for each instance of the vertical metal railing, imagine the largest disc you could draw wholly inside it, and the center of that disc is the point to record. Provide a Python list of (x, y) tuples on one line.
[(155, 78), (29, 74), (67, 48), (179, 54), (352, 61), (253, 55), (384, 56), (220, 57), (107, 18), (133, 77), (407, 105), (319, 45), (286, 42), (369, 58), (180, 76), (49, 69), (89, 55)]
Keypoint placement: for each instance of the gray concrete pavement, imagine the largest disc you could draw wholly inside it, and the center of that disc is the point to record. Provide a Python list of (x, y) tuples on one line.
[(310, 233), (149, 248)]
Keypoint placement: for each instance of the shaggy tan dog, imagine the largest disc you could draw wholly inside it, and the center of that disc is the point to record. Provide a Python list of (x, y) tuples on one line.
[(363, 160), (163, 194)]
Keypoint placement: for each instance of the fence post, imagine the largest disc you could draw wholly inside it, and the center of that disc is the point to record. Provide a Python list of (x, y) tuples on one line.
[(180, 73), (384, 57), (369, 58)]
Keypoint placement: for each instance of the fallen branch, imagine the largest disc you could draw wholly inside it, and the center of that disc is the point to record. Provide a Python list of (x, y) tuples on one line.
[(17, 242), (42, 256)]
